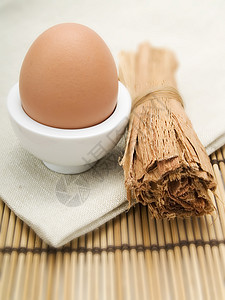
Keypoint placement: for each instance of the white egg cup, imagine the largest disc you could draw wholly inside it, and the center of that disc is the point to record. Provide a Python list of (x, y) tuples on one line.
[(69, 151)]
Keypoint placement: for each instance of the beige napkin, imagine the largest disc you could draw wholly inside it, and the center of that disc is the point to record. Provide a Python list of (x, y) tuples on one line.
[(59, 207)]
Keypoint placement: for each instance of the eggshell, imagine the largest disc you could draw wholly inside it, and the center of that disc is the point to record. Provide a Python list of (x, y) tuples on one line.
[(68, 78)]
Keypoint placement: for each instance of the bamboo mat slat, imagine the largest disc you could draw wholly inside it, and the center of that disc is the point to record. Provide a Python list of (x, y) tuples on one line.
[(130, 257)]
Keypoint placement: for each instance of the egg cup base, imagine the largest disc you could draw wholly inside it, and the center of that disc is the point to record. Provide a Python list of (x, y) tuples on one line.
[(68, 169)]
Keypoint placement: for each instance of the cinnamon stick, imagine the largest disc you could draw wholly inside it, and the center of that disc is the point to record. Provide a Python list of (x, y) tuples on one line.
[(165, 165)]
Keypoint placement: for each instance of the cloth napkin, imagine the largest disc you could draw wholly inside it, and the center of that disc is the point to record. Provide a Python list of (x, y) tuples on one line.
[(61, 207)]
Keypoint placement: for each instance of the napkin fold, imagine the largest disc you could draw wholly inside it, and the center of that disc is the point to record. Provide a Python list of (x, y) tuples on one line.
[(61, 207)]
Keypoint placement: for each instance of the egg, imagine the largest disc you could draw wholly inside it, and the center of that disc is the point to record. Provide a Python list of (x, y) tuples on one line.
[(68, 78)]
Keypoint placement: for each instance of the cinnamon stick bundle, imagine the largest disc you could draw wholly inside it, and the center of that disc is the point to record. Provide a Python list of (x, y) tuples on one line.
[(165, 165)]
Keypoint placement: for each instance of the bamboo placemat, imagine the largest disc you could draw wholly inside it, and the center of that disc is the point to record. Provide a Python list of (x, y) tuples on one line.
[(130, 257)]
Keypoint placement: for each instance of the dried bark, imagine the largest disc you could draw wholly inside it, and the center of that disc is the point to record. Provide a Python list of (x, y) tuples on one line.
[(165, 165)]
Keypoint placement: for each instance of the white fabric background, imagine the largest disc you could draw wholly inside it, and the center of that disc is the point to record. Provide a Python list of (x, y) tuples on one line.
[(195, 30)]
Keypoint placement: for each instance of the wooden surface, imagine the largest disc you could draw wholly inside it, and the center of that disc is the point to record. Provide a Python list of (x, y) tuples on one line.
[(130, 257)]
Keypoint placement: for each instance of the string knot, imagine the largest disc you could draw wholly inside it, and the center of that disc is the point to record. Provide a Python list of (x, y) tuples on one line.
[(167, 92)]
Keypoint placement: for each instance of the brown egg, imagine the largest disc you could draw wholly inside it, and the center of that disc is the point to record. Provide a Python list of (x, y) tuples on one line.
[(68, 78)]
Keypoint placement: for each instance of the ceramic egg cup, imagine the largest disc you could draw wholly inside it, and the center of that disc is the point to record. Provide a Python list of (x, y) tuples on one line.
[(69, 151)]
